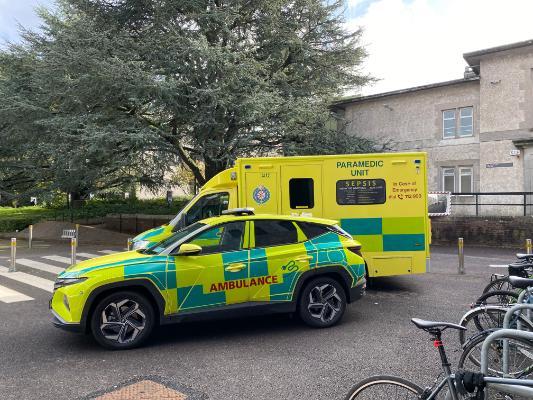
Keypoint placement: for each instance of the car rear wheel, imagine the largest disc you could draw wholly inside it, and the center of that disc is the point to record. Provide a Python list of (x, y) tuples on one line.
[(122, 320), (322, 303)]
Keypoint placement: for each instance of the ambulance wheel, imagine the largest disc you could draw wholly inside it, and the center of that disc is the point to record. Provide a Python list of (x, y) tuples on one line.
[(322, 303), (122, 320)]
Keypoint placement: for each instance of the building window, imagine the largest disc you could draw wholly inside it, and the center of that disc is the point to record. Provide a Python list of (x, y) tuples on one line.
[(448, 124), (464, 176), (458, 122), (465, 179), (466, 121), (448, 179)]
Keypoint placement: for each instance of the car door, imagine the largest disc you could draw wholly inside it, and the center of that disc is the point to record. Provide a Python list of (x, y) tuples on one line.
[(279, 254), (217, 276)]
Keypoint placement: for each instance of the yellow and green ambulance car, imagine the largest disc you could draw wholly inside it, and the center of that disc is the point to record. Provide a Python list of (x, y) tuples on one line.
[(380, 199), (236, 263)]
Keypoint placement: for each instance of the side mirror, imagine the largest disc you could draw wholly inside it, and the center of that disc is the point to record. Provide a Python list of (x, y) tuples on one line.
[(189, 249)]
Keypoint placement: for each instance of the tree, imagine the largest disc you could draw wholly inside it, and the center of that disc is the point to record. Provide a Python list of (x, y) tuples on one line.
[(197, 82)]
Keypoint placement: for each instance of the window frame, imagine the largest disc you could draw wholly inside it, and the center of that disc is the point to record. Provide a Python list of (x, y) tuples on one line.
[(448, 174), (458, 126), (454, 110), (461, 174), (253, 244), (243, 245)]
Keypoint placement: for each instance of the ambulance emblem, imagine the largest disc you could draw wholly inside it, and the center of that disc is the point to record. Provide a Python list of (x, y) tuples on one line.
[(261, 194)]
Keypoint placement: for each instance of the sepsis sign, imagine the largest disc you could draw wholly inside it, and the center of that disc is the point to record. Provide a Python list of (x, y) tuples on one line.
[(243, 283)]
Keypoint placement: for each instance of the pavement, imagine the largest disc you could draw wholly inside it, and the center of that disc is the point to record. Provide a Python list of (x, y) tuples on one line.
[(269, 357)]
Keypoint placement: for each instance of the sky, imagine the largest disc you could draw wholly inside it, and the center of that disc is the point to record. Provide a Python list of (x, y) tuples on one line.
[(410, 42)]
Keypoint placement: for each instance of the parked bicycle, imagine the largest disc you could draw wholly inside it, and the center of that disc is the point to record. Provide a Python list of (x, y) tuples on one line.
[(454, 386)]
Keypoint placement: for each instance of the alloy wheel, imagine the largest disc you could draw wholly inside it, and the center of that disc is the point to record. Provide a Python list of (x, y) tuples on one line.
[(122, 321), (324, 302)]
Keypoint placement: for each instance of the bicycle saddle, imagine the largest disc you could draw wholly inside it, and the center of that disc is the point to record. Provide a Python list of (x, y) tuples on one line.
[(519, 269), (524, 256), (521, 283), (429, 325)]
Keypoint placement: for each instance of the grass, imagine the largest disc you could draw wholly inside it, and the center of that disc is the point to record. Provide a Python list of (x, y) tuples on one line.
[(13, 219)]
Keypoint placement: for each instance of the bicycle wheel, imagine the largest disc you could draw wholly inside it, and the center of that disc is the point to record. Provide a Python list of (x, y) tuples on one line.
[(499, 284), (520, 358), (497, 298), (489, 317), (386, 388)]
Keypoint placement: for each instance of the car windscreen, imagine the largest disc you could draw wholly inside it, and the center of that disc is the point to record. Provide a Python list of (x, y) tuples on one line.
[(159, 247)]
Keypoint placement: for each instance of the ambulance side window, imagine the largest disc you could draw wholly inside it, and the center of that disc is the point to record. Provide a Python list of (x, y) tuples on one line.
[(210, 205), (274, 233), (301, 193), (222, 238)]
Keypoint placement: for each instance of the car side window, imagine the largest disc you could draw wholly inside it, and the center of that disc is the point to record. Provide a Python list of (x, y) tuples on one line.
[(274, 233), (311, 230), (222, 238), (210, 205)]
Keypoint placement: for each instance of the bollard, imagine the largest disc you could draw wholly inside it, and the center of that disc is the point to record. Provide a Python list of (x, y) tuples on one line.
[(461, 253), (30, 237), (73, 251), (130, 241), (13, 266), (528, 246)]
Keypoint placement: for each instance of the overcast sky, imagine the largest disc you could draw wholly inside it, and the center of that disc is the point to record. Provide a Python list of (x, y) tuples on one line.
[(410, 42)]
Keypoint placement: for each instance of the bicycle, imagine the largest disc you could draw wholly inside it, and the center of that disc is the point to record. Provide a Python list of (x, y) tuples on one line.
[(391, 387)]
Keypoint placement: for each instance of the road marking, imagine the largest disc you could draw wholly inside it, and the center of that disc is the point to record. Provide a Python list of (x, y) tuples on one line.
[(40, 266), (28, 279), (61, 259), (88, 255), (11, 296), (107, 251)]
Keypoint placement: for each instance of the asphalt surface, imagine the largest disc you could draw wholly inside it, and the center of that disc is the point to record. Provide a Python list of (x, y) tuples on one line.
[(273, 357)]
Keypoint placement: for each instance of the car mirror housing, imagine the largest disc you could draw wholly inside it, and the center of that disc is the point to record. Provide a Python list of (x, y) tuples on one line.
[(189, 249)]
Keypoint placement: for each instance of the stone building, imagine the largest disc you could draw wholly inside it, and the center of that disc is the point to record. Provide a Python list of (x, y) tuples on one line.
[(477, 131)]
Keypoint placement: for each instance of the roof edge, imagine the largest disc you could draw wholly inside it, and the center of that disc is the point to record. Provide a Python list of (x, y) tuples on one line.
[(472, 57), (358, 99)]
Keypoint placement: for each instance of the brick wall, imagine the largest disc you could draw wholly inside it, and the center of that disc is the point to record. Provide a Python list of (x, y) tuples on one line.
[(480, 231)]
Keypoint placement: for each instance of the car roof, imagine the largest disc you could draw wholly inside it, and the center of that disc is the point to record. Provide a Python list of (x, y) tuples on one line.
[(297, 218)]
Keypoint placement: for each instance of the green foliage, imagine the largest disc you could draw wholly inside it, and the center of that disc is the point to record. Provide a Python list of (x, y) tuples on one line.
[(12, 219), (112, 93)]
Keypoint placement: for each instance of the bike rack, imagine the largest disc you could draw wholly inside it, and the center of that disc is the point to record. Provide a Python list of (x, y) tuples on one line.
[(506, 322), (509, 385)]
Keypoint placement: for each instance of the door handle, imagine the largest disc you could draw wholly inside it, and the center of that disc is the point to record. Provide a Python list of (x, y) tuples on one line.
[(304, 258), (235, 267)]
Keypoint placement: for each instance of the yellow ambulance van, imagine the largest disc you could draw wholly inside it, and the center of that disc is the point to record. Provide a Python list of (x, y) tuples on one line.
[(380, 199)]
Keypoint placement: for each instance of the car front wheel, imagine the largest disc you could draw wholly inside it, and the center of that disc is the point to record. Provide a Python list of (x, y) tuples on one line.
[(322, 302), (122, 320)]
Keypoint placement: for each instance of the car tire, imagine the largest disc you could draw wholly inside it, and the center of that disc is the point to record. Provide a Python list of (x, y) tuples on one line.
[(122, 320), (322, 302)]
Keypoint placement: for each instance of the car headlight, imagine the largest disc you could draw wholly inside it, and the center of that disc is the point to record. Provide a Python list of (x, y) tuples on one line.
[(140, 244), (62, 282)]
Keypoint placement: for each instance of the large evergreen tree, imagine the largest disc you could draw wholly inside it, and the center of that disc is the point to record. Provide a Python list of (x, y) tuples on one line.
[(116, 91)]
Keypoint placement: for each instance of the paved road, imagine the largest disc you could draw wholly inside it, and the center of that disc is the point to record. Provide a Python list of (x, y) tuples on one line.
[(273, 357)]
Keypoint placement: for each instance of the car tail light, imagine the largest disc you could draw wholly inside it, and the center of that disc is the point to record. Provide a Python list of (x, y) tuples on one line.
[(356, 250)]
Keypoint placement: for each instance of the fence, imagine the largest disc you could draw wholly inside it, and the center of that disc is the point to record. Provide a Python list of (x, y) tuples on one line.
[(523, 200)]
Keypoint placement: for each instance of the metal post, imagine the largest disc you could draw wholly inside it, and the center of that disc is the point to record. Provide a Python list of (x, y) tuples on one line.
[(477, 206), (461, 254), (130, 241), (73, 251), (525, 205), (30, 238), (528, 246), (13, 266), (77, 232)]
